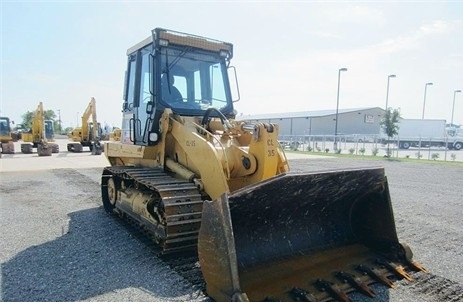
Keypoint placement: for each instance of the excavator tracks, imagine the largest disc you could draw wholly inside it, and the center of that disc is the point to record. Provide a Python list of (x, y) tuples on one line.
[(176, 224)]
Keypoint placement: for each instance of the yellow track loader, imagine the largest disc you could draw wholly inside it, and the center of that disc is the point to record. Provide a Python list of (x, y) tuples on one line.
[(40, 136), (6, 136), (196, 178), (88, 135)]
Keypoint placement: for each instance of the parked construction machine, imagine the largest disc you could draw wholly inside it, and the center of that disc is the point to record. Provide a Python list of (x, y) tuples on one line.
[(88, 135), (115, 135), (6, 136), (40, 136), (196, 178), (17, 131)]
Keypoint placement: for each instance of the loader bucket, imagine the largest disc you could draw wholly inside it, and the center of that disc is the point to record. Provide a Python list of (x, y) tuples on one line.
[(302, 237)]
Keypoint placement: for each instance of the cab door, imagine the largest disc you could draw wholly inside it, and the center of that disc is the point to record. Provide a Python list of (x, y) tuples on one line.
[(128, 116), (143, 98), (136, 120)]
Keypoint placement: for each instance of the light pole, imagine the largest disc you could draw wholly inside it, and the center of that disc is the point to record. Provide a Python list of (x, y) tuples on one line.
[(453, 107), (59, 121), (424, 101), (335, 146), (387, 90)]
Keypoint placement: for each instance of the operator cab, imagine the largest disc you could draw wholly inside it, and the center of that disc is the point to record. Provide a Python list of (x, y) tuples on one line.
[(186, 73), (49, 132), (4, 126), (90, 131)]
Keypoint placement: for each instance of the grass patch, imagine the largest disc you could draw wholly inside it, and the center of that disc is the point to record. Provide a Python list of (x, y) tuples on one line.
[(381, 158)]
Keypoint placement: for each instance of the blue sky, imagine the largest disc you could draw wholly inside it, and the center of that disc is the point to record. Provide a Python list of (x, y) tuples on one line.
[(287, 54)]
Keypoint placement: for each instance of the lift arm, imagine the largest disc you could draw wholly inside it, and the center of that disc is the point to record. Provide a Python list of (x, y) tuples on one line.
[(90, 111)]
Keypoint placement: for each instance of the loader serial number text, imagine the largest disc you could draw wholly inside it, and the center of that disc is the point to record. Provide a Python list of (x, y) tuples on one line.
[(270, 152), (191, 143)]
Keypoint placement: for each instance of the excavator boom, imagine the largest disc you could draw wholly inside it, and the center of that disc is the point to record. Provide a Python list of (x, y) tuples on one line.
[(88, 135), (40, 136)]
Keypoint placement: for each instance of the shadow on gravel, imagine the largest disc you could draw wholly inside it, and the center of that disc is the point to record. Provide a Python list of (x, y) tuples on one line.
[(95, 256)]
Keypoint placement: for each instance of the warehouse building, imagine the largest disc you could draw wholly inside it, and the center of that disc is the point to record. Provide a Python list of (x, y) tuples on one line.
[(363, 121)]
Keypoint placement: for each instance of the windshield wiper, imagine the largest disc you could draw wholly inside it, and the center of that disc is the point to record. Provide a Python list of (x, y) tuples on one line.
[(180, 55), (168, 66)]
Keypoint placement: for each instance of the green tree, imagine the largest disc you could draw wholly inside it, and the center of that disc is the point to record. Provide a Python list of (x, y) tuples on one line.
[(29, 115), (390, 125), (67, 130)]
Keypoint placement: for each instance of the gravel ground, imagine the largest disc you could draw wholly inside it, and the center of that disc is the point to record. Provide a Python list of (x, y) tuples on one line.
[(59, 245)]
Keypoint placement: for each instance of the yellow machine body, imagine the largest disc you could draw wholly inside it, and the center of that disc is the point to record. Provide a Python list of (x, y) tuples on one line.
[(40, 136), (6, 136), (115, 135), (198, 179), (88, 134)]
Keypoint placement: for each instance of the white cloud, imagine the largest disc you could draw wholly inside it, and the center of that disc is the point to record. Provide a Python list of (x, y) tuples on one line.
[(324, 34), (439, 27), (308, 82), (416, 39), (356, 14)]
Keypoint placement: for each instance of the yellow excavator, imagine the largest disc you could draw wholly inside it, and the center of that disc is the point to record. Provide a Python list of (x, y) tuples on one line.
[(115, 135), (40, 136), (88, 135), (6, 136), (196, 178)]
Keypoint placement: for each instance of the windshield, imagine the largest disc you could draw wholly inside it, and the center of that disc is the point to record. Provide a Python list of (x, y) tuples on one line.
[(49, 129), (4, 126), (193, 81)]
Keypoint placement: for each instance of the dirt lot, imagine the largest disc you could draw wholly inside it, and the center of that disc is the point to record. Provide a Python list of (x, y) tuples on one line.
[(59, 245)]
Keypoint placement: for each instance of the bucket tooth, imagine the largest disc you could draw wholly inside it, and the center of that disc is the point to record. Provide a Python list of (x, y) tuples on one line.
[(357, 283), (415, 265), (397, 269), (302, 295), (406, 250), (376, 275), (333, 290)]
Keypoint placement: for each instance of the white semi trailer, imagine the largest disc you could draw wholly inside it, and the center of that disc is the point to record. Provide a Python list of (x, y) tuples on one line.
[(426, 133)]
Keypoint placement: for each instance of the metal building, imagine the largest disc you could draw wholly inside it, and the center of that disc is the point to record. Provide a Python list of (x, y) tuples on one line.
[(363, 121)]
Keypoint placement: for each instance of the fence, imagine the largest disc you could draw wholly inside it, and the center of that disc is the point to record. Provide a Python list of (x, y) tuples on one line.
[(428, 148)]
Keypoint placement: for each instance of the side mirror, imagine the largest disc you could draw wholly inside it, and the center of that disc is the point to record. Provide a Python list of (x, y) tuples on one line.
[(235, 90)]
